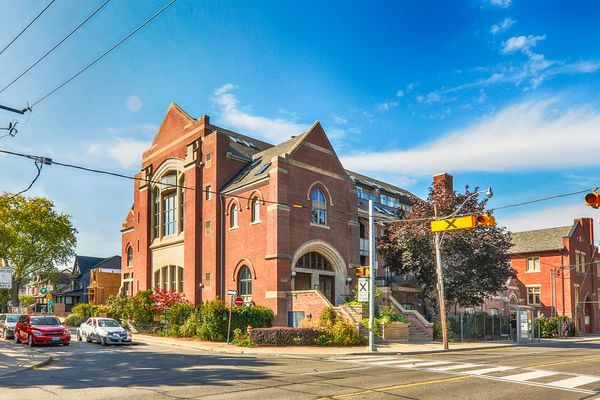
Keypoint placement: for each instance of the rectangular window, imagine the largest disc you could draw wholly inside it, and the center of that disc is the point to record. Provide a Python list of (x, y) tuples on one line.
[(533, 264), (182, 209), (359, 192), (208, 192), (172, 272), (207, 227), (165, 278), (157, 279), (208, 160), (180, 274), (207, 279), (156, 213), (576, 295), (68, 300), (598, 272), (383, 199), (126, 288), (534, 295), (169, 213)]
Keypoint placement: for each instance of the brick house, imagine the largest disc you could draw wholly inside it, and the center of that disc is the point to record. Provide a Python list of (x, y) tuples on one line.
[(559, 272), (280, 224)]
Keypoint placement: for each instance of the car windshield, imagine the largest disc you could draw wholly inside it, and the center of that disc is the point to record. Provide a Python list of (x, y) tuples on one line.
[(109, 323), (12, 318), (45, 321)]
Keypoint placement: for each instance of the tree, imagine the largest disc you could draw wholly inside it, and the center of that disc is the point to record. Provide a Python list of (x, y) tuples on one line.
[(34, 238), (475, 261)]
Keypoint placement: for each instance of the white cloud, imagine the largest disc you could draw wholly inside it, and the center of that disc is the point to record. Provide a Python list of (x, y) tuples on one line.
[(547, 217), (133, 103), (501, 3), (127, 152), (274, 130), (521, 43), (526, 136), (387, 106), (339, 120), (502, 25), (400, 93)]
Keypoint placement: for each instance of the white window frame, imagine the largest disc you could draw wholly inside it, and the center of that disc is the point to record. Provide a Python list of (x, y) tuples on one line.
[(535, 263), (539, 294)]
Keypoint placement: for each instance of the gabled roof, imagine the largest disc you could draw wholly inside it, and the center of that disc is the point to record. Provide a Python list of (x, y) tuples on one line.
[(258, 168), (242, 146), (540, 240), (377, 184), (85, 263)]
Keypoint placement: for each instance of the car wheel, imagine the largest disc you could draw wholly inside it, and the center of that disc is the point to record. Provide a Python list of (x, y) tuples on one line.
[(66, 344), (17, 338), (103, 341), (5, 334), (30, 341), (88, 339)]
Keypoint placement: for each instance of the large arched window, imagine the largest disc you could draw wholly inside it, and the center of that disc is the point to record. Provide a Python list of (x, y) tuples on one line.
[(319, 207), (233, 216), (129, 257), (168, 205), (314, 260), (256, 210), (245, 283)]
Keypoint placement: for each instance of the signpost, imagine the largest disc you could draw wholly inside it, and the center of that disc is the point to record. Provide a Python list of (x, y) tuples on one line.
[(6, 278), (232, 294), (363, 289)]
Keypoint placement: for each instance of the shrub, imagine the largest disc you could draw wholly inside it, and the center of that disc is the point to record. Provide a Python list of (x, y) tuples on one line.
[(283, 336), (344, 333), (191, 326), (140, 308), (214, 321), (327, 318), (119, 307), (385, 315), (164, 299), (75, 320), (254, 316), (84, 310), (26, 300), (242, 339)]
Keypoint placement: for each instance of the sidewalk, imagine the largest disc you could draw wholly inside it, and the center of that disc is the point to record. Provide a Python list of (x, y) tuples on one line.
[(15, 358), (390, 348)]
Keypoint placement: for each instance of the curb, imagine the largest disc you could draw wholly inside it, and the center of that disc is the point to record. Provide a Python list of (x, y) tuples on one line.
[(30, 366)]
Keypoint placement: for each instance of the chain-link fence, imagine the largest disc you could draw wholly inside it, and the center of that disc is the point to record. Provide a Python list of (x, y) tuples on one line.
[(476, 326)]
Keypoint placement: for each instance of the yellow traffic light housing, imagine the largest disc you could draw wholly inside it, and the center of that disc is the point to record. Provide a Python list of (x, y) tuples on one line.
[(485, 220), (592, 200), (362, 271)]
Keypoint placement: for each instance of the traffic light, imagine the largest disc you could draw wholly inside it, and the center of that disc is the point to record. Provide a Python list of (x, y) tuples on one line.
[(592, 199), (486, 220), (362, 271)]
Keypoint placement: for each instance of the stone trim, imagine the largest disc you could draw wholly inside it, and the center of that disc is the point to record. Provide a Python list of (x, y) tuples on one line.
[(278, 256)]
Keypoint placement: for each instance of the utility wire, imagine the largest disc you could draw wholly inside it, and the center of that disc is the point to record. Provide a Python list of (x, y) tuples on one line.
[(38, 165), (103, 54), (55, 46), (28, 25), (541, 199)]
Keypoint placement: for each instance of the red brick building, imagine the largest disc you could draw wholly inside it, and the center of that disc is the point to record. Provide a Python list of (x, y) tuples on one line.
[(559, 272), (215, 210)]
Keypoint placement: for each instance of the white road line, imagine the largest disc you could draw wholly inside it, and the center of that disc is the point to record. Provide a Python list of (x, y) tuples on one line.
[(454, 367), (425, 364), (366, 358), (487, 370), (397, 361), (529, 375), (574, 382), (333, 371), (373, 359)]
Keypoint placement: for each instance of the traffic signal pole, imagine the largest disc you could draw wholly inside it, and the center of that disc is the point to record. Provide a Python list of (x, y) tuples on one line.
[(440, 284), (371, 279)]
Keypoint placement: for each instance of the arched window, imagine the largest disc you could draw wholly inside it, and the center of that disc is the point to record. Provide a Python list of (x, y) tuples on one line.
[(181, 203), (129, 257), (233, 216), (245, 282), (319, 207), (314, 260), (256, 210)]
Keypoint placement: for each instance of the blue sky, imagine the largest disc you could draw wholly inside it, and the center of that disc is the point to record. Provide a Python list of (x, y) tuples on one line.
[(496, 92)]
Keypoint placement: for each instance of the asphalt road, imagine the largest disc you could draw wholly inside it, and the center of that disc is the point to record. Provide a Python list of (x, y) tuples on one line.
[(89, 371)]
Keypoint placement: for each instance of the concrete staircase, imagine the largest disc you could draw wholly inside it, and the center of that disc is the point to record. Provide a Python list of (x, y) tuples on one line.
[(420, 330)]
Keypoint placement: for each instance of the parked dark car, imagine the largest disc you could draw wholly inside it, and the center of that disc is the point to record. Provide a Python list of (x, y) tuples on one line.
[(7, 325), (41, 329)]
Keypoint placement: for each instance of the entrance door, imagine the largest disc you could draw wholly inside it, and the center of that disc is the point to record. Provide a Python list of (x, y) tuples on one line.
[(588, 316), (326, 286), (302, 281)]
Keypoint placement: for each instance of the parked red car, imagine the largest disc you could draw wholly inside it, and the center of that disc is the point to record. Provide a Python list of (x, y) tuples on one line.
[(41, 329)]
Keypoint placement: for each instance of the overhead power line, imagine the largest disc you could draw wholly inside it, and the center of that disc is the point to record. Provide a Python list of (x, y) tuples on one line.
[(55, 47), (103, 54), (27, 27), (557, 196)]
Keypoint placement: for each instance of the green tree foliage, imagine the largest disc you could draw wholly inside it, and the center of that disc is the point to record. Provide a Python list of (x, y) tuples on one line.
[(34, 238), (26, 300), (475, 261)]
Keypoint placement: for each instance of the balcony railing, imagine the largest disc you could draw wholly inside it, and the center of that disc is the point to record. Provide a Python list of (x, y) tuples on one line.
[(400, 279)]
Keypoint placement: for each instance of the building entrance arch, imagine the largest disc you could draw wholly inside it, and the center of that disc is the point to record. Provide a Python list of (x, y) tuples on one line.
[(588, 315), (317, 265)]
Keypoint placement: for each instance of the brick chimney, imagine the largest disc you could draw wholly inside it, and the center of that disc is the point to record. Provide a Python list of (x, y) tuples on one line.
[(443, 182)]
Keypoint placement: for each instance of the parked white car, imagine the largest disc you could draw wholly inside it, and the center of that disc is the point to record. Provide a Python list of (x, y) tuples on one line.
[(104, 331)]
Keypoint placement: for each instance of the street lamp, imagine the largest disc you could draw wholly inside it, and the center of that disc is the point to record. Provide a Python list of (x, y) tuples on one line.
[(438, 259)]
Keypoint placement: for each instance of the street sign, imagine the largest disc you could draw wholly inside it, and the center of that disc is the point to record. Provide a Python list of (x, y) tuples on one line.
[(451, 224), (43, 290), (50, 303), (363, 289), (6, 278), (232, 292), (48, 296), (239, 301)]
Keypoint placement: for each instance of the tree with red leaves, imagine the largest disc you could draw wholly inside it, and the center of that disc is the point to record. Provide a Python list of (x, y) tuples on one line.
[(163, 299)]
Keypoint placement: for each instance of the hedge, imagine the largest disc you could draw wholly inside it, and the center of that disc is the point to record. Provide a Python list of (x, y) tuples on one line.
[(283, 336)]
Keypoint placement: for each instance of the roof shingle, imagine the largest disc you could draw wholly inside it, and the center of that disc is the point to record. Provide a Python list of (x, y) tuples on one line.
[(539, 240)]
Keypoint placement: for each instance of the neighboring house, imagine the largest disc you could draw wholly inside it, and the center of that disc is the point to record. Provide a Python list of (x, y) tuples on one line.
[(287, 233), (77, 291), (559, 272), (37, 282), (103, 284)]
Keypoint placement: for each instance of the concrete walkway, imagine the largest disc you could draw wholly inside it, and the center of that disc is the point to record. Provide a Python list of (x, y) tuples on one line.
[(18, 357)]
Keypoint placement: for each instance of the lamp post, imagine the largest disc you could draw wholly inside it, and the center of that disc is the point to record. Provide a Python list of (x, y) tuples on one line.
[(438, 261)]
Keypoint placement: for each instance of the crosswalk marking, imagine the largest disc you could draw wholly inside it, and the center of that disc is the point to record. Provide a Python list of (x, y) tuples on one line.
[(487, 370), (574, 382), (526, 376), (396, 361), (455, 367), (427, 364)]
